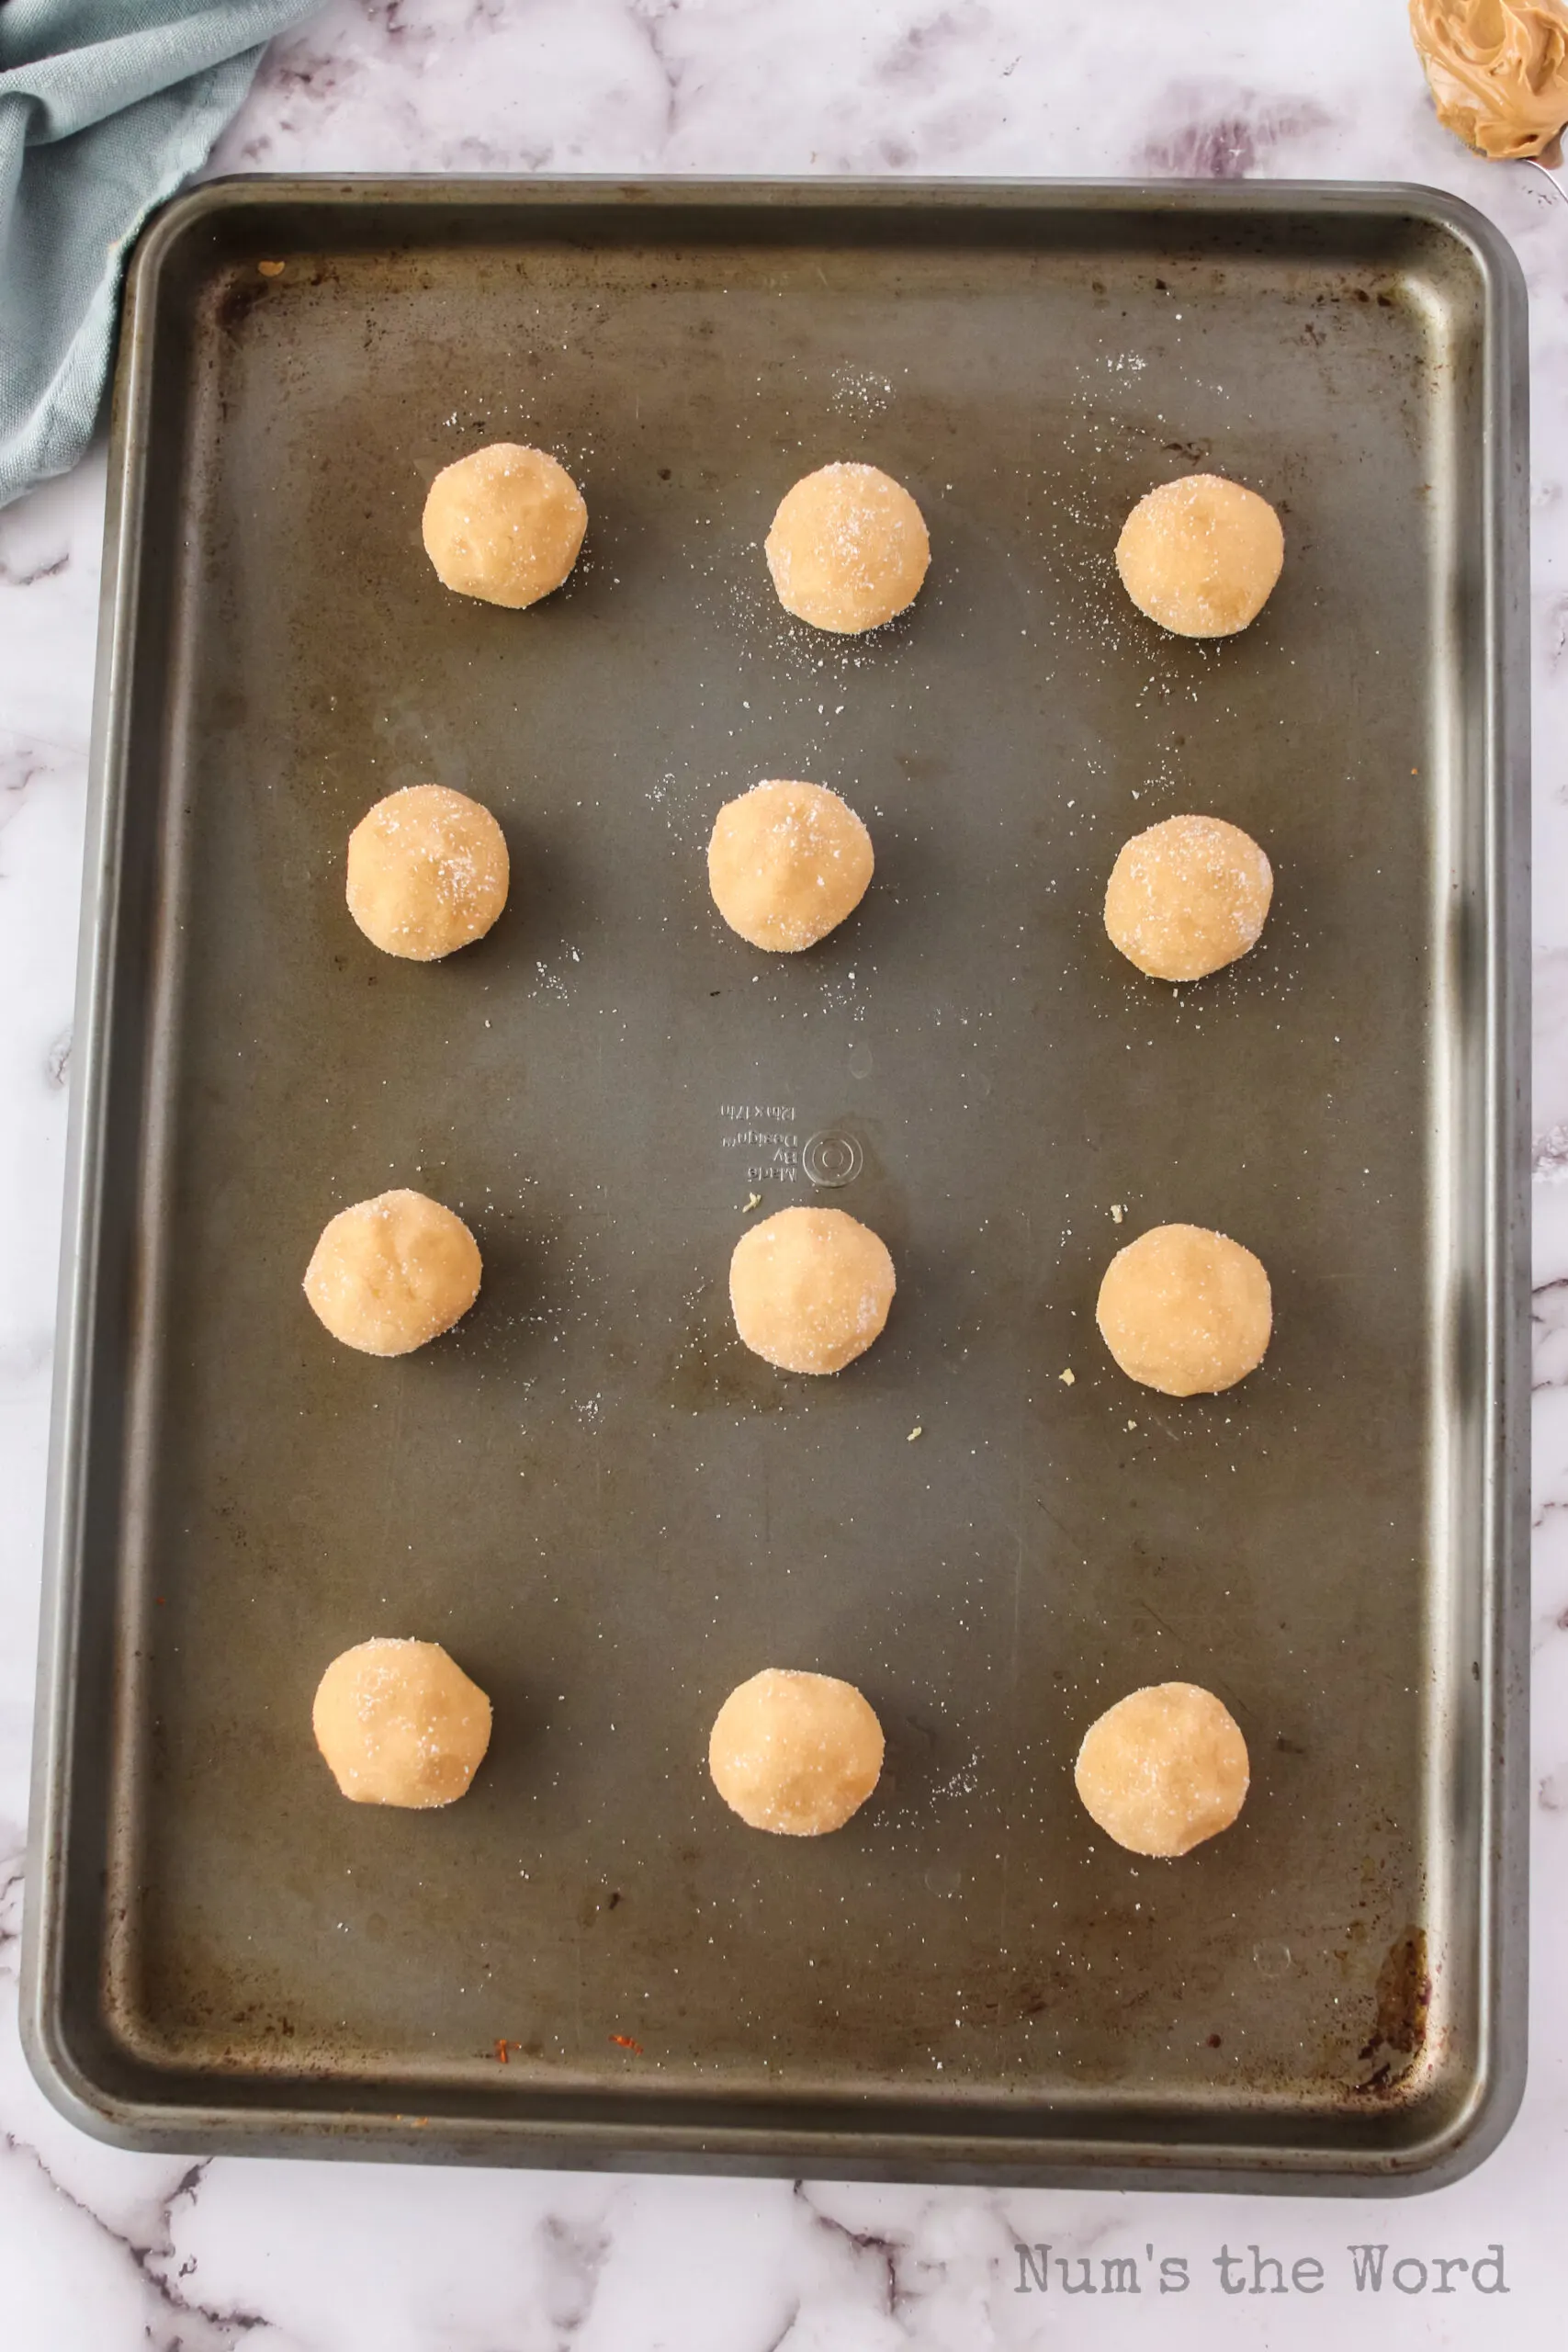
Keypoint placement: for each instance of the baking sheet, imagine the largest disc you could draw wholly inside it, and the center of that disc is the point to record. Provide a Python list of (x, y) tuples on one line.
[(605, 1508)]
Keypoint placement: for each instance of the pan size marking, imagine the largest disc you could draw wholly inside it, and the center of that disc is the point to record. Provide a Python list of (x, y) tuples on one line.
[(767, 1135)]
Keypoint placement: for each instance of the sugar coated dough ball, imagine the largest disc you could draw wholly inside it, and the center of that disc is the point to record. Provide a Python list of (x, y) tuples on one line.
[(1200, 555), (504, 524), (1187, 897), (427, 872), (1163, 1769), (848, 549), (391, 1273), (400, 1723), (795, 1753), (1185, 1310), (787, 863), (810, 1289)]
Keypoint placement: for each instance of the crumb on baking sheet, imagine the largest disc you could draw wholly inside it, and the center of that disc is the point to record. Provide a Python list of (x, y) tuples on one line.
[(917, 1431), (1066, 1378)]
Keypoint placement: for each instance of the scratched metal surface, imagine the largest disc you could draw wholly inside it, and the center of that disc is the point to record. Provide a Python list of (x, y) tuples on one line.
[(603, 1507)]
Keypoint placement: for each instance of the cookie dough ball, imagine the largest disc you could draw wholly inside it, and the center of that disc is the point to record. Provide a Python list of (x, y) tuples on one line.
[(1163, 1769), (1185, 1311), (795, 1753), (400, 1723), (1187, 897), (787, 863), (1200, 555), (848, 549), (810, 1289), (391, 1273), (504, 524), (427, 872)]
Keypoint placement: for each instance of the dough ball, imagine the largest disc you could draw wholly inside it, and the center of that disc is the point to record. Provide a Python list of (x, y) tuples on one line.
[(795, 1753), (504, 524), (848, 549), (787, 863), (1187, 897), (391, 1273), (400, 1723), (1163, 1769), (1200, 555), (427, 872), (810, 1289), (1185, 1311)]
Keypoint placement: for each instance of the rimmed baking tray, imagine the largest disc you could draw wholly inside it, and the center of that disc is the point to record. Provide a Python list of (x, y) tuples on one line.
[(606, 1510)]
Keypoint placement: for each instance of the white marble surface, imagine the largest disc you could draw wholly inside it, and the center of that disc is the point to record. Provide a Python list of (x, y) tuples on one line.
[(100, 2251)]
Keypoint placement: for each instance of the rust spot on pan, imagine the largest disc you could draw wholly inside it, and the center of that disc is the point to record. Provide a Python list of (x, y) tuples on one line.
[(1403, 2004)]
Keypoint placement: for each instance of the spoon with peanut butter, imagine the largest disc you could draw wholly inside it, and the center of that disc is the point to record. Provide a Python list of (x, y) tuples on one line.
[(1498, 71)]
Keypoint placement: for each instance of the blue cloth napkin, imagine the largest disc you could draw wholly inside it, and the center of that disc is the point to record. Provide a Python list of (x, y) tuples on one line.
[(106, 106)]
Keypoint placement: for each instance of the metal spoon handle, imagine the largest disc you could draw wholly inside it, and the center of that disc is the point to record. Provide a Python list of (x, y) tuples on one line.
[(1556, 175)]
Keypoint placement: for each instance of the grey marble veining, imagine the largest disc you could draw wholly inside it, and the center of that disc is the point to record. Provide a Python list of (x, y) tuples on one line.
[(101, 2251)]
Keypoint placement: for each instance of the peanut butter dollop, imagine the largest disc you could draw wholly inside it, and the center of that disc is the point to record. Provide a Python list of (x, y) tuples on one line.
[(1498, 70)]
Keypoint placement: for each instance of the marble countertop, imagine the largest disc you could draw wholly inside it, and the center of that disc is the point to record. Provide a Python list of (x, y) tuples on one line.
[(100, 2250)]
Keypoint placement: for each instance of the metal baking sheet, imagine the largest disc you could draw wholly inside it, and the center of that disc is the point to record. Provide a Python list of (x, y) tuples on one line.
[(605, 1508)]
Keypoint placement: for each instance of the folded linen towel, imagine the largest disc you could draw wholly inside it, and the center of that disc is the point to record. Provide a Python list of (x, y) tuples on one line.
[(106, 106)]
